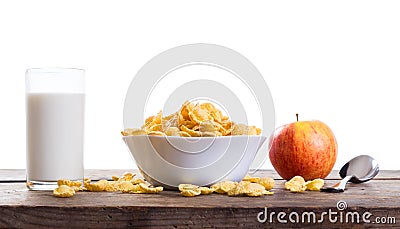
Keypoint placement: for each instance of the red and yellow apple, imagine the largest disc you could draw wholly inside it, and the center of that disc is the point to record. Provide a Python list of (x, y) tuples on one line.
[(303, 148)]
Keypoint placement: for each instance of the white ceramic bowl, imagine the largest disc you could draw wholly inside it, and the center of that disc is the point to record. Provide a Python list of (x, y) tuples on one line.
[(170, 161)]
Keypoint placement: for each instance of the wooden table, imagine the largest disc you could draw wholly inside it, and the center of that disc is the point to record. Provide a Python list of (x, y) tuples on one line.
[(377, 201)]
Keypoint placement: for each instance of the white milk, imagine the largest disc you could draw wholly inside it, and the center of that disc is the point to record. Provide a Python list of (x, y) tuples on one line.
[(54, 136)]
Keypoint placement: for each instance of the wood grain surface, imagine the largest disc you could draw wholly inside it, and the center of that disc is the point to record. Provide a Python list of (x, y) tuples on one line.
[(39, 209)]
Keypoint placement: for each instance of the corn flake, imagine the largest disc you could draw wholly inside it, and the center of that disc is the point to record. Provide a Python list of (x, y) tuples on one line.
[(223, 186), (125, 186), (315, 185), (133, 132), (248, 188), (156, 133), (127, 176), (251, 179), (296, 184), (191, 132), (242, 129), (191, 192), (64, 191), (184, 134), (206, 190), (188, 124), (99, 186), (136, 189), (172, 131), (182, 187), (76, 185), (238, 189), (146, 189), (207, 126), (156, 128), (199, 115), (267, 182), (170, 121), (138, 181), (112, 186), (185, 109), (254, 189), (115, 178)]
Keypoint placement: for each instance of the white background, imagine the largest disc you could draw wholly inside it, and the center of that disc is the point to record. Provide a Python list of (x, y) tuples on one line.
[(336, 61)]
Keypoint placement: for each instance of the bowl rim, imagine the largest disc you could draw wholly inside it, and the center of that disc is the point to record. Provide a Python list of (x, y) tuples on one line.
[(179, 137)]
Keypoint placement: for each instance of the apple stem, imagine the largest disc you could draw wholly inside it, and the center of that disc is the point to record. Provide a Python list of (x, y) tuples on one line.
[(297, 116)]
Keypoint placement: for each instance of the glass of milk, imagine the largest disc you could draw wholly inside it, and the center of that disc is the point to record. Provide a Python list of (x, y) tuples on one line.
[(55, 99)]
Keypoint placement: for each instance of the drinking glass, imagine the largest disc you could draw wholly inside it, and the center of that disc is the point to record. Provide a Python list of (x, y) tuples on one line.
[(55, 101)]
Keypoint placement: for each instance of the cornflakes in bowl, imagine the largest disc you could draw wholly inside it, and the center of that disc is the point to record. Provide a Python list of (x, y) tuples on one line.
[(198, 144)]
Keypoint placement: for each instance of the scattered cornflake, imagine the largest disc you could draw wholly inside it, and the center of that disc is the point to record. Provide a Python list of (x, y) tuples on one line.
[(191, 192), (206, 190), (223, 186), (69, 183), (138, 181), (115, 178), (127, 176), (183, 187), (112, 186), (239, 189), (136, 189), (251, 179), (315, 185), (64, 191), (248, 188), (127, 183), (254, 189), (76, 185), (125, 186), (267, 182), (146, 189), (99, 186), (296, 184)]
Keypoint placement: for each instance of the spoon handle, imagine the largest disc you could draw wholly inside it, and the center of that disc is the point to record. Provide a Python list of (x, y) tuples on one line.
[(339, 187)]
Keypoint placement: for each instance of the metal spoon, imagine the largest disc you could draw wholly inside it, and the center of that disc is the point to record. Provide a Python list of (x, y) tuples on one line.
[(358, 170)]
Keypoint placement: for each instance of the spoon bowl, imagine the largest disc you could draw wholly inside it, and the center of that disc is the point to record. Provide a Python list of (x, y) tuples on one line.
[(358, 170), (363, 168)]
